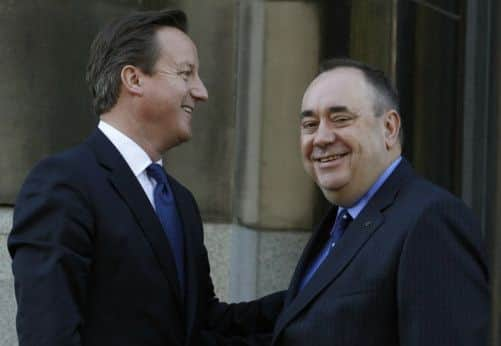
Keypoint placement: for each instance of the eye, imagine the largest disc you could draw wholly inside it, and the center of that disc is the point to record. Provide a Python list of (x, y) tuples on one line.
[(341, 119), (308, 126), (185, 74)]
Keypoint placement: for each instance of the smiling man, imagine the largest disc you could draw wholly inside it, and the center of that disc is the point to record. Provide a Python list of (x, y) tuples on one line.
[(397, 260), (107, 248)]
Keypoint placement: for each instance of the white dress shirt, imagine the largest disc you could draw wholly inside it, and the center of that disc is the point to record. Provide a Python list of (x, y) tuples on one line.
[(134, 155)]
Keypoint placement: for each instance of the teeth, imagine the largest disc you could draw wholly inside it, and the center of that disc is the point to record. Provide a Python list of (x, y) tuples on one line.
[(331, 158), (187, 109)]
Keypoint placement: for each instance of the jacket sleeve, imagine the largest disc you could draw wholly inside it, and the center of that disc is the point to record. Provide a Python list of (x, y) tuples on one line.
[(51, 249), (443, 295), (246, 323), (242, 324)]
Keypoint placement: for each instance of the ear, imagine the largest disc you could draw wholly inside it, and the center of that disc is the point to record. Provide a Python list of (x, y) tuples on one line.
[(131, 77), (391, 123)]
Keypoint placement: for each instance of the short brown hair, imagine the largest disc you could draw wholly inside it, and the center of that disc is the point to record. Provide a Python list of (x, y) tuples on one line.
[(124, 41)]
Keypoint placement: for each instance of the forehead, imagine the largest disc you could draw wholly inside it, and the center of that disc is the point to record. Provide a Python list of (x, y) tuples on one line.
[(342, 86), (175, 46)]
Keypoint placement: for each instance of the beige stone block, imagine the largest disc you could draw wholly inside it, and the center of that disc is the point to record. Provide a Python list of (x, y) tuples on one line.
[(278, 58)]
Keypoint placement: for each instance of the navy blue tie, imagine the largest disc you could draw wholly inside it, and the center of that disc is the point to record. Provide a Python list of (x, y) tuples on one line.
[(342, 221), (169, 217)]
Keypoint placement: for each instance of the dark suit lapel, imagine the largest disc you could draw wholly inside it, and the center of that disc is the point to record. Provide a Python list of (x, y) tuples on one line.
[(356, 235), (127, 186), (189, 222), (307, 253)]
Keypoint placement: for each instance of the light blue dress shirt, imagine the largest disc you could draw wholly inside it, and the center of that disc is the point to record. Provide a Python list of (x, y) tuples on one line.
[(362, 202), (353, 212)]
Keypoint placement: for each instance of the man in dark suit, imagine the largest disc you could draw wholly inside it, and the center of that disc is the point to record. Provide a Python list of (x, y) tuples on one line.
[(107, 248), (403, 263)]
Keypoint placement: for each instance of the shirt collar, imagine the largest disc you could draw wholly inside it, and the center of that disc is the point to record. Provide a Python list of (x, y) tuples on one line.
[(362, 202), (133, 154)]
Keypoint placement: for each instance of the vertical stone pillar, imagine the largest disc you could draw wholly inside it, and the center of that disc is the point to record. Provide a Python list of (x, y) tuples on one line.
[(278, 53)]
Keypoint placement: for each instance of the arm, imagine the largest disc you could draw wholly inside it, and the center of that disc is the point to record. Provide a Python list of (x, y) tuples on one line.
[(245, 318), (249, 323), (246, 323), (51, 249), (443, 296), (243, 324)]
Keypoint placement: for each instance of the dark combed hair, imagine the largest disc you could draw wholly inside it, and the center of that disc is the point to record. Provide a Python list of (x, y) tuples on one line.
[(386, 96), (129, 40)]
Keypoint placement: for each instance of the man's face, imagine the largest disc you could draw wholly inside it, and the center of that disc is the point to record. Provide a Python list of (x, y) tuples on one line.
[(344, 146), (172, 90)]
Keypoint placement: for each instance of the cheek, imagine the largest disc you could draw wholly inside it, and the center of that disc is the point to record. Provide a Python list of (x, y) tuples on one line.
[(306, 144), (306, 149)]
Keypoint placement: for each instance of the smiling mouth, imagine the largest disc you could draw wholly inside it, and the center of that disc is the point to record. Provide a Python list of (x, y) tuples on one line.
[(187, 109), (330, 158)]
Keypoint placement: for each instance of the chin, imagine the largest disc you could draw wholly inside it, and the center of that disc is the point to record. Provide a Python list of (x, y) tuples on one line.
[(342, 198), (333, 191), (184, 137), (332, 183)]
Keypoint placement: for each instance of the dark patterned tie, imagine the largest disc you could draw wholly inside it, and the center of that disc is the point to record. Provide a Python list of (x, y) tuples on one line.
[(342, 222), (169, 217)]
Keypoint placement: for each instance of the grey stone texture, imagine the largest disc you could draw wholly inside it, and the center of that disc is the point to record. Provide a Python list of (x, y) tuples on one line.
[(217, 239), (247, 263), (7, 301), (279, 252), (262, 261)]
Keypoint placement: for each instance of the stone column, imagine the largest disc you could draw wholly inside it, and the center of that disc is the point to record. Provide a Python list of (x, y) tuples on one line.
[(278, 53)]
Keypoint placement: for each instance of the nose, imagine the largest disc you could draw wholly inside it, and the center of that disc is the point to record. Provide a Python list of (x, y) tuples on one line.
[(198, 90), (324, 135)]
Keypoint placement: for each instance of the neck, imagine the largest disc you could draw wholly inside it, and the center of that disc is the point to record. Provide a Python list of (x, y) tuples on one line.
[(127, 123)]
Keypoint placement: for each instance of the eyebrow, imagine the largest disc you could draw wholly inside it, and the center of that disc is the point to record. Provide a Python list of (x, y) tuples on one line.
[(333, 109), (186, 64), (305, 114), (338, 109)]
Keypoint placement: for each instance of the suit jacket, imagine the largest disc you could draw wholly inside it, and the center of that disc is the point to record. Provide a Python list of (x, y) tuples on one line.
[(408, 271), (92, 264)]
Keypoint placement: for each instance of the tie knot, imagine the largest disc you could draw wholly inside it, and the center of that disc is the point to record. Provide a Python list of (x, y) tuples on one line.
[(343, 219), (157, 172)]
